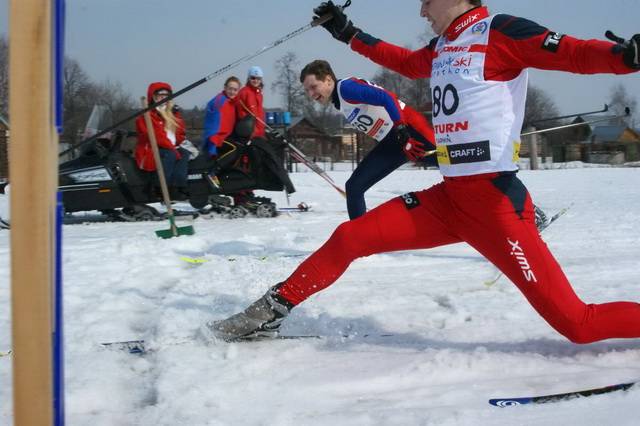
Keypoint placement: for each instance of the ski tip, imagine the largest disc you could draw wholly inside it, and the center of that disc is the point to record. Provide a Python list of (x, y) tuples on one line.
[(135, 347), (194, 260), (5, 353), (509, 402)]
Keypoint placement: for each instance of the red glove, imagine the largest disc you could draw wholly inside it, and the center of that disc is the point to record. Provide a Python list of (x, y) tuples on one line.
[(413, 149)]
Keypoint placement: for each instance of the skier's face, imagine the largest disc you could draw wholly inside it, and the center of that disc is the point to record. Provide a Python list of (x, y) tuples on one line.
[(319, 90), (441, 13), (160, 95), (231, 89), (255, 81)]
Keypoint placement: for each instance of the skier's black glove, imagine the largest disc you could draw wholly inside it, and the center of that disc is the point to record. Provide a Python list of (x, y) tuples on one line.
[(340, 27), (413, 149), (630, 49)]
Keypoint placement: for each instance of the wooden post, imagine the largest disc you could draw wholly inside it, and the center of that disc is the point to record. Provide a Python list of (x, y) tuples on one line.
[(33, 176), (533, 148)]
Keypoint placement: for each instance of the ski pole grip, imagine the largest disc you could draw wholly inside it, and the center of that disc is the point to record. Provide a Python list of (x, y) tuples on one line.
[(321, 20), (327, 17), (614, 38)]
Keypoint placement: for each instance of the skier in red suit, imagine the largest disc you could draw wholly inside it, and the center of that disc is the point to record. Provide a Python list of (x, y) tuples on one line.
[(478, 68)]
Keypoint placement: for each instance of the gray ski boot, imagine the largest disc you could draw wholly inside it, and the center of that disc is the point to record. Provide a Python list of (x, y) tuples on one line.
[(261, 319)]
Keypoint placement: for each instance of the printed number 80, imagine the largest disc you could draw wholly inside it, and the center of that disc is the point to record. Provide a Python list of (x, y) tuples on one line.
[(442, 97)]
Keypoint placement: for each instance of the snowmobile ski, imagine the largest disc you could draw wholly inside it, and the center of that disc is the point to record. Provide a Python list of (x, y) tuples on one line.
[(300, 208), (543, 399)]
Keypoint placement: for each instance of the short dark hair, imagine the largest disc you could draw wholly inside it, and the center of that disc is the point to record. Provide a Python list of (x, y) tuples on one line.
[(319, 68), (475, 2), (232, 79)]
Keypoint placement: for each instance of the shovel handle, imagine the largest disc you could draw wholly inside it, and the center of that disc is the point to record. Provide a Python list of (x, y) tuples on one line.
[(159, 168)]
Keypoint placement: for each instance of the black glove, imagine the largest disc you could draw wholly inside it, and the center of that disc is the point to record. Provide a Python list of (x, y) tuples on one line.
[(630, 49), (413, 149), (340, 27)]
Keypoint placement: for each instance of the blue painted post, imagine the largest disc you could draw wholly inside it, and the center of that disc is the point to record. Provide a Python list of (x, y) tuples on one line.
[(58, 335)]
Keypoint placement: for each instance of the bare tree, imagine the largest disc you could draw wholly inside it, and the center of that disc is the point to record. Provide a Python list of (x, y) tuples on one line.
[(621, 99), (80, 96), (4, 77), (112, 95), (77, 102), (539, 106), (416, 93), (288, 84)]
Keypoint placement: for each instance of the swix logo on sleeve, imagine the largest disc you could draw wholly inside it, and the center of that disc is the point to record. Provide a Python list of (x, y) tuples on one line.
[(517, 252), (410, 200), (552, 42)]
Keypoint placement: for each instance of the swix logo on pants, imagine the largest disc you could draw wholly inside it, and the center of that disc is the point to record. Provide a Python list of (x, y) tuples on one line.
[(518, 253)]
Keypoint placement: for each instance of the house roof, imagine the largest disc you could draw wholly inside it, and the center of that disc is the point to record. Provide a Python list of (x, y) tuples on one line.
[(608, 133)]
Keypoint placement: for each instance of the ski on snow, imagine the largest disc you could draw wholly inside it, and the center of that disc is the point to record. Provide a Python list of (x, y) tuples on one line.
[(543, 399), (198, 261), (139, 347), (541, 228)]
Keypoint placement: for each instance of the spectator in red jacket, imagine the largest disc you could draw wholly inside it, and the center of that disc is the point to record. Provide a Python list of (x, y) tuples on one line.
[(249, 101), (169, 130)]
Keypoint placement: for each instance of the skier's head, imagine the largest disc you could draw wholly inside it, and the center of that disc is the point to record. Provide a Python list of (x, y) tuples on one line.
[(255, 76), (155, 93), (231, 87), (158, 90), (441, 13), (318, 80)]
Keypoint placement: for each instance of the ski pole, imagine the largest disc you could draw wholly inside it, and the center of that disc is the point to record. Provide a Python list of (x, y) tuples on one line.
[(295, 33), (627, 112), (299, 155), (562, 117)]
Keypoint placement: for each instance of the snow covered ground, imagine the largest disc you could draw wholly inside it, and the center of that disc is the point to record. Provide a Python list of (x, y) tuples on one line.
[(455, 343)]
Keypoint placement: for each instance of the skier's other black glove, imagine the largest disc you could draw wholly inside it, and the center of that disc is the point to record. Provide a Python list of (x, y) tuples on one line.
[(412, 148), (339, 26), (630, 49)]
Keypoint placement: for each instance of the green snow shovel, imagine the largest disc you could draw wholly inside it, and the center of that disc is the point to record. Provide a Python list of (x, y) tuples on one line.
[(173, 231)]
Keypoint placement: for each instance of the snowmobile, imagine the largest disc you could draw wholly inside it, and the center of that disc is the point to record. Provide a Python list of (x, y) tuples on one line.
[(106, 178)]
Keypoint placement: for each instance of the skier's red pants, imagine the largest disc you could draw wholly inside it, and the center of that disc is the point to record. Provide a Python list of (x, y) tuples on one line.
[(494, 214)]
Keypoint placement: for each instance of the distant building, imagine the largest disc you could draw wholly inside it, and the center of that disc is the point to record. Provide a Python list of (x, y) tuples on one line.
[(609, 142), (615, 144), (345, 144)]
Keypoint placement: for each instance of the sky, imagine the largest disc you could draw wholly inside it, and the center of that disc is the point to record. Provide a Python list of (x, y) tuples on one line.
[(136, 42)]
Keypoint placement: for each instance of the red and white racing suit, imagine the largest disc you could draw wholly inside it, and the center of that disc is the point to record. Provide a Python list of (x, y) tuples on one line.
[(478, 71)]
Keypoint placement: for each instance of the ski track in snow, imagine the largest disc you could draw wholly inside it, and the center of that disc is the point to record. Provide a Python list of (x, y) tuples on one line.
[(455, 343)]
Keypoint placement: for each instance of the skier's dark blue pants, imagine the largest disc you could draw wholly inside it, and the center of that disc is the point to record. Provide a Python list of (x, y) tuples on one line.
[(385, 157)]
